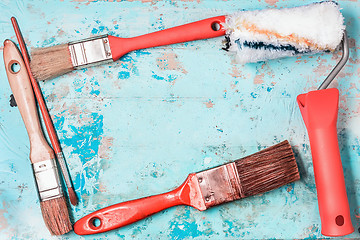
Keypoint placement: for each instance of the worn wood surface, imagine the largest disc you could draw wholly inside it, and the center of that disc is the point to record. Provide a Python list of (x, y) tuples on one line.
[(139, 126)]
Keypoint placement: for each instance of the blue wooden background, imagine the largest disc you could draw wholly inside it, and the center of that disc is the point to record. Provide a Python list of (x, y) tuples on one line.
[(139, 126)]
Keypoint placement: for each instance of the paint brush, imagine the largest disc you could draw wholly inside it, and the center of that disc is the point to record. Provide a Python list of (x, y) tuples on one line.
[(52, 201), (263, 171), (47, 120), (252, 35)]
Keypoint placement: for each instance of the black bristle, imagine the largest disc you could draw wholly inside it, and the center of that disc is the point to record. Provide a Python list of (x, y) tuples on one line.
[(227, 43), (268, 169), (264, 46)]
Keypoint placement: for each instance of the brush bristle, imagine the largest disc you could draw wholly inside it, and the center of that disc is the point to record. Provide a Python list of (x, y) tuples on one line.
[(50, 62), (268, 169), (56, 216)]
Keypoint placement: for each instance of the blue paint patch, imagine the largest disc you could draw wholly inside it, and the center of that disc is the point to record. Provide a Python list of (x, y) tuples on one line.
[(284, 93), (254, 95), (314, 231), (124, 65), (139, 53), (123, 75), (232, 229), (154, 174), (169, 78), (79, 89), (184, 227), (48, 41), (101, 29), (87, 137), (95, 92), (94, 31), (157, 77), (12, 167)]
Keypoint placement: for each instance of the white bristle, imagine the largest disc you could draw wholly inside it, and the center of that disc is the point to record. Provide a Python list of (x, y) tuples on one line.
[(274, 33)]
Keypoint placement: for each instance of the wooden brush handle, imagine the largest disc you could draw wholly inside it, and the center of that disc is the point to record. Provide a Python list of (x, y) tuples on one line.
[(21, 87), (46, 117)]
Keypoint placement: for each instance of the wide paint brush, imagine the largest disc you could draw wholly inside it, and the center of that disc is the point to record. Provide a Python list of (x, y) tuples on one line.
[(258, 173), (253, 35), (42, 157)]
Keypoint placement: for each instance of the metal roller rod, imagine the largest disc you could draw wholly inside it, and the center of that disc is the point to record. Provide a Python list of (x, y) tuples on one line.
[(340, 65)]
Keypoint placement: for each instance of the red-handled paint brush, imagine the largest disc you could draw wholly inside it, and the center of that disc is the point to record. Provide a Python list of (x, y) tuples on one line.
[(258, 173), (253, 35), (319, 110), (54, 61)]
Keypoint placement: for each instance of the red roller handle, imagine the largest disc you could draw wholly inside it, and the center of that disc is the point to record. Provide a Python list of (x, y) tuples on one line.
[(125, 213), (207, 28), (319, 110)]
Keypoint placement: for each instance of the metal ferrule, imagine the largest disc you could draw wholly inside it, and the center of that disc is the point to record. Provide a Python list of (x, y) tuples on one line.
[(220, 184), (47, 180), (91, 51)]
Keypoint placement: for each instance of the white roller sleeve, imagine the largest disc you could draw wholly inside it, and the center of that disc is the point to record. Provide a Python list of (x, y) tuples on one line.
[(273, 33)]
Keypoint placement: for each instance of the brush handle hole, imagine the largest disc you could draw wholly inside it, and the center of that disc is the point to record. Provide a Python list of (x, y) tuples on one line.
[(339, 220), (14, 66), (95, 223), (215, 26)]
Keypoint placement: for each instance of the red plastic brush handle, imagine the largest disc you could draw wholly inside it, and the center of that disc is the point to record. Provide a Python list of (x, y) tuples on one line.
[(207, 28), (125, 213), (319, 110)]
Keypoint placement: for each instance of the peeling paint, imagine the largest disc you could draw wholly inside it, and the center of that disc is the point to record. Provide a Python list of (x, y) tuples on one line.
[(169, 61), (209, 104), (271, 2)]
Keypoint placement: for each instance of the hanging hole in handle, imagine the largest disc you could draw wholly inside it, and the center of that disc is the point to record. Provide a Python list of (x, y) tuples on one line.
[(215, 26), (14, 66), (339, 220), (95, 223)]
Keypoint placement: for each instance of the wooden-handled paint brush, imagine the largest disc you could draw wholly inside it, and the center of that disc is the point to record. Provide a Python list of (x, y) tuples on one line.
[(258, 173), (253, 35), (47, 120), (52, 201)]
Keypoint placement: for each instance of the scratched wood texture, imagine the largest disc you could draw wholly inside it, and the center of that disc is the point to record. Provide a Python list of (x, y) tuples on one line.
[(139, 126)]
